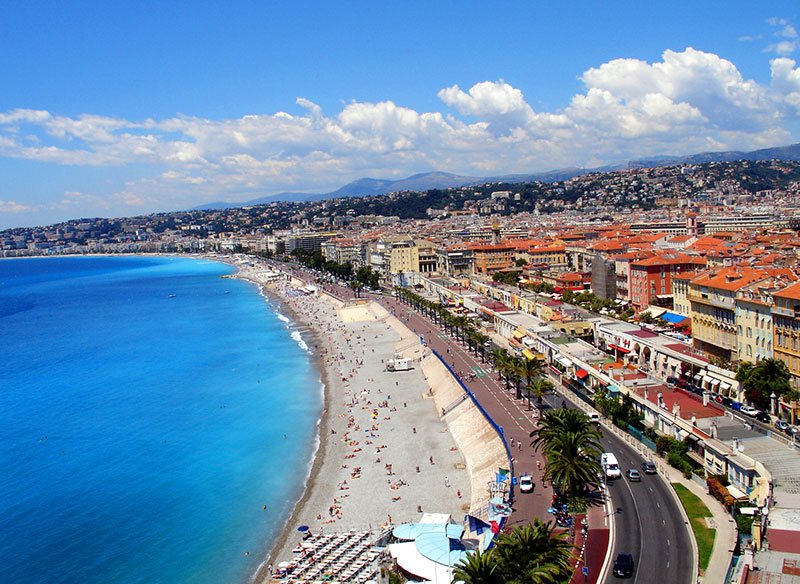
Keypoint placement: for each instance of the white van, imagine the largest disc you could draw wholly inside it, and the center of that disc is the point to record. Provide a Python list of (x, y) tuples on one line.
[(610, 466), (594, 418)]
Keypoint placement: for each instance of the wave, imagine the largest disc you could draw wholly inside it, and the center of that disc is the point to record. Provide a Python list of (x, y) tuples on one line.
[(283, 318), (299, 340)]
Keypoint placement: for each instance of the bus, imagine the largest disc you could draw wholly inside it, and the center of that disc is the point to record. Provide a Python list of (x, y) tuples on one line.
[(610, 466)]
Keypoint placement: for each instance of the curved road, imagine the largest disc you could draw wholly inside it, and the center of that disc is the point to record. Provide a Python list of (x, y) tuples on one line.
[(648, 523)]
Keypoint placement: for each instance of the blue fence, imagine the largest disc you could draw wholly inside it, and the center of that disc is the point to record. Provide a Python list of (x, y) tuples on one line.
[(498, 428)]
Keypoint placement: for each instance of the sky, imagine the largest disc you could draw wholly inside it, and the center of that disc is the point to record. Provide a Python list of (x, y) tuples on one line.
[(111, 109)]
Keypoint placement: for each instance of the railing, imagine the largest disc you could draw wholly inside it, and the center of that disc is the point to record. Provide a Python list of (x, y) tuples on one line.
[(492, 423)]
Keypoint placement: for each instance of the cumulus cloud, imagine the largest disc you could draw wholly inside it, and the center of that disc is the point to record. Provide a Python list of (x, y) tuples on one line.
[(688, 101)]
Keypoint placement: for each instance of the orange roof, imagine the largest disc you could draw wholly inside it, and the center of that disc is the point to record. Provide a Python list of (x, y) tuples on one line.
[(670, 259), (735, 277), (791, 292)]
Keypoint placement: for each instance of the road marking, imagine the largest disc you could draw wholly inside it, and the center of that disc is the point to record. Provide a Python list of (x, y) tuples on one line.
[(658, 504)]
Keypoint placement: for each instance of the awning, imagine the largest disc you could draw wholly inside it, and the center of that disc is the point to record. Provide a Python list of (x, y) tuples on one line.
[(564, 362), (613, 389), (618, 348), (713, 382), (698, 378), (736, 493), (528, 354), (581, 374), (724, 386), (519, 334)]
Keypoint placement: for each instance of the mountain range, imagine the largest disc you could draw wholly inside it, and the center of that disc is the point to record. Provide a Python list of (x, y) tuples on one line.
[(365, 187)]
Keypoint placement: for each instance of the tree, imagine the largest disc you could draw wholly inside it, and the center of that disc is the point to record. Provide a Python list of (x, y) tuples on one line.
[(761, 380), (528, 554), (539, 388), (571, 444), (479, 568), (533, 554)]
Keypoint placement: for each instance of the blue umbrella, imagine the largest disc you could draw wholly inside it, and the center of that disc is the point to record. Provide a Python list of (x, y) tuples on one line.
[(303, 528)]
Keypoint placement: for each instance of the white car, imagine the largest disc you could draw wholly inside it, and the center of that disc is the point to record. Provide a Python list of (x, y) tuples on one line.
[(750, 411), (526, 484)]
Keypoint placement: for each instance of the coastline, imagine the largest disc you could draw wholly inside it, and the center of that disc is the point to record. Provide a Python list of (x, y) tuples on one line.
[(349, 488)]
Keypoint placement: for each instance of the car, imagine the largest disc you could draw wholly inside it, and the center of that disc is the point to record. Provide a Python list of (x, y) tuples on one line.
[(781, 425), (633, 475), (623, 565), (594, 418), (526, 484), (763, 417), (649, 467), (749, 411)]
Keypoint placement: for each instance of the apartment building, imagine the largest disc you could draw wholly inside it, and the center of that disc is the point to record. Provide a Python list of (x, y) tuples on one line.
[(651, 278)]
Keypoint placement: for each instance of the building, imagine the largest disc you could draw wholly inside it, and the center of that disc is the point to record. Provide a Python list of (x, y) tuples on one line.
[(491, 258), (604, 278), (713, 309), (786, 330), (651, 278)]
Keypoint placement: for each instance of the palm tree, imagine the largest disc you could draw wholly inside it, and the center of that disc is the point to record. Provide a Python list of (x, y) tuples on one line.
[(482, 339), (531, 368), (571, 444), (534, 554), (539, 388), (528, 554), (479, 568), (501, 360)]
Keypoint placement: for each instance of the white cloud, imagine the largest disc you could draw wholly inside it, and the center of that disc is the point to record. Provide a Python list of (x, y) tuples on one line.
[(688, 101), (15, 207), (787, 34)]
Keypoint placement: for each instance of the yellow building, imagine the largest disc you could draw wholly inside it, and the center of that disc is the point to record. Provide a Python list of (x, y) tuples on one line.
[(712, 296), (786, 330)]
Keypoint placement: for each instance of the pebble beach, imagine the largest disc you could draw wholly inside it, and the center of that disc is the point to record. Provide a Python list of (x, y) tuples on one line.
[(385, 455)]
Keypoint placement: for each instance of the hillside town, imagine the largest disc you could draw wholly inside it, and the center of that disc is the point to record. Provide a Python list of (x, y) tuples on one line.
[(670, 286)]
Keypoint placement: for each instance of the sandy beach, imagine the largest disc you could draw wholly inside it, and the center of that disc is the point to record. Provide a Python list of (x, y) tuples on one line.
[(385, 453)]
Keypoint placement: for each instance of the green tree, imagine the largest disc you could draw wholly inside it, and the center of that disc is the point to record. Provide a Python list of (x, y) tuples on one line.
[(571, 444), (530, 554), (479, 568), (761, 380)]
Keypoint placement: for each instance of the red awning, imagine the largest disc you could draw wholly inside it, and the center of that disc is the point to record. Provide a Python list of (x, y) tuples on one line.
[(581, 374), (618, 348)]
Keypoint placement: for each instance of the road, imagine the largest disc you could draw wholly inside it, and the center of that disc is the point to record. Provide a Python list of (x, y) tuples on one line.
[(648, 523)]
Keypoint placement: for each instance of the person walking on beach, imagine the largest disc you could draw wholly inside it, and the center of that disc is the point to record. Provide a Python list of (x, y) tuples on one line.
[(447, 482)]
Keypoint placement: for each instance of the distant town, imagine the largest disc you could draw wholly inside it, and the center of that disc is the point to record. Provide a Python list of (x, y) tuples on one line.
[(714, 243)]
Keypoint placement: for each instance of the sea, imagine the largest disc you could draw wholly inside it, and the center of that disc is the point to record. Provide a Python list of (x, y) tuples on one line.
[(157, 421)]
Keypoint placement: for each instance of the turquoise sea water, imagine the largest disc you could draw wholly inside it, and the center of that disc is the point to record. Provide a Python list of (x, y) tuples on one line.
[(148, 411)]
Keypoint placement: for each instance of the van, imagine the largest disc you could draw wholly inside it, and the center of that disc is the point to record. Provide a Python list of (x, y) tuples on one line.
[(610, 466), (594, 418)]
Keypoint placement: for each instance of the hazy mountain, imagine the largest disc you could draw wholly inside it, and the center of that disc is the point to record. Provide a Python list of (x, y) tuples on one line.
[(365, 187)]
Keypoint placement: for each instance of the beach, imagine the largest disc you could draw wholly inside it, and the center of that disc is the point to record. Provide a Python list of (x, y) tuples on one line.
[(385, 453)]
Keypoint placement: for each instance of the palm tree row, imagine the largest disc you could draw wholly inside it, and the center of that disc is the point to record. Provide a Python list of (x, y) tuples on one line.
[(458, 325), (571, 445), (529, 554)]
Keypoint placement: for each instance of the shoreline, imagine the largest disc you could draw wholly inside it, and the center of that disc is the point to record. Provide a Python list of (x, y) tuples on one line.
[(435, 477)]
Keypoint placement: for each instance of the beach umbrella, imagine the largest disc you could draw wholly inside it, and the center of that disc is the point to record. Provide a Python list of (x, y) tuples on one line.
[(302, 528), (283, 565)]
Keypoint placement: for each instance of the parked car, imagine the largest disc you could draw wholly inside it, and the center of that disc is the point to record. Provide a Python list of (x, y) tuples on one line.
[(763, 417), (634, 475), (649, 467), (782, 426), (525, 484), (749, 411), (623, 566), (736, 406)]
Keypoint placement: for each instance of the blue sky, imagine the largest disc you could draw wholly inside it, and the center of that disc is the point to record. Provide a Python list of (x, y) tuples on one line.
[(123, 108)]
